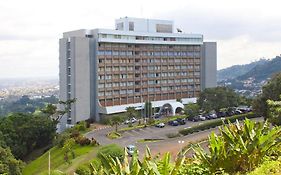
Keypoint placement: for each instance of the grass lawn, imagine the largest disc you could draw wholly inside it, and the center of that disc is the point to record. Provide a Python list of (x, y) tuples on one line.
[(40, 165)]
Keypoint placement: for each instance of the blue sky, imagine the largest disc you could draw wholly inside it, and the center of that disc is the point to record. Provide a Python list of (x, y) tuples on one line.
[(30, 29)]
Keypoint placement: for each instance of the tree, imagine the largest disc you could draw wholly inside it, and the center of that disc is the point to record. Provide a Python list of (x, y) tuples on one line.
[(68, 148), (191, 110), (131, 112), (25, 132), (217, 98), (9, 164), (274, 115), (115, 121), (148, 109), (55, 114), (270, 91)]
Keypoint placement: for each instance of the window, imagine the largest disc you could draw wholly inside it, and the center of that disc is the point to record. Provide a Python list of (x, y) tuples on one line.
[(131, 26), (164, 28), (120, 26)]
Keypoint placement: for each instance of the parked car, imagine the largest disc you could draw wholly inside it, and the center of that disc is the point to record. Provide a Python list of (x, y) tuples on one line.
[(131, 149), (133, 120), (160, 125), (237, 112), (173, 123), (126, 122), (181, 121), (202, 118), (157, 115), (194, 119), (221, 114), (213, 116)]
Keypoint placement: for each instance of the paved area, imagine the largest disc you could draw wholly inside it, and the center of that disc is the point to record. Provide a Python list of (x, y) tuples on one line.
[(172, 145)]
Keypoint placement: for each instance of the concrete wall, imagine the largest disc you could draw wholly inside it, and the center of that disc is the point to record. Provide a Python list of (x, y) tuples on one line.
[(81, 81), (209, 65)]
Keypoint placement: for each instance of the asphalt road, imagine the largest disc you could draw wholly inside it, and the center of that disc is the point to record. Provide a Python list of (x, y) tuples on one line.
[(172, 145)]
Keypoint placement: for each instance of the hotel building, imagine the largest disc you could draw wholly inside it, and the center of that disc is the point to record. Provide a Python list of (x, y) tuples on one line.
[(140, 60)]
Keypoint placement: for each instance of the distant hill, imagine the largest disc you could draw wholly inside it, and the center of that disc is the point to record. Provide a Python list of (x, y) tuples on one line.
[(263, 71), (238, 70)]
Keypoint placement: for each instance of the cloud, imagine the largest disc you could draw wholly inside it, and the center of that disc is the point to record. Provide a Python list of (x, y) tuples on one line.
[(30, 29)]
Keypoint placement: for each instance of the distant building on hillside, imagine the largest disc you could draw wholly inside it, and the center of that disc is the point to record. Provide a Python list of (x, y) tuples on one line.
[(141, 60)]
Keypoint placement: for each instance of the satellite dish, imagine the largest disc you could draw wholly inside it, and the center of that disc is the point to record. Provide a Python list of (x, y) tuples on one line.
[(179, 30)]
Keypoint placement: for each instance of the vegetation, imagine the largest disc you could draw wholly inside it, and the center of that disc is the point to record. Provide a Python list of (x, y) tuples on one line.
[(271, 91), (149, 165), (111, 150), (148, 109), (240, 147), (215, 123), (191, 110), (25, 105), (274, 112), (113, 135), (116, 121), (172, 135), (8, 163), (25, 132), (217, 98), (40, 165), (131, 112)]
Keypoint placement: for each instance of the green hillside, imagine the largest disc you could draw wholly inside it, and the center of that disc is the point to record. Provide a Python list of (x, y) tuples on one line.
[(238, 70)]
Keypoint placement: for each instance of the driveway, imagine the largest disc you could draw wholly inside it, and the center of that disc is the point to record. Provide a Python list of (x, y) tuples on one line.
[(172, 145)]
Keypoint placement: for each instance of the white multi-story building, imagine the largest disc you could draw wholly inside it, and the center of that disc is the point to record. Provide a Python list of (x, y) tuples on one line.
[(140, 60)]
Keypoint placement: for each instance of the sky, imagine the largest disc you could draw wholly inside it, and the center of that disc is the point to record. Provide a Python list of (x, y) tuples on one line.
[(245, 30)]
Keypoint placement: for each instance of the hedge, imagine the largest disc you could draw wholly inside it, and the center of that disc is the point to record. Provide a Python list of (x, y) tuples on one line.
[(215, 123)]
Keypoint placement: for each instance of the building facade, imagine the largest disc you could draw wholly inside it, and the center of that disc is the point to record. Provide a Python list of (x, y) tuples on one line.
[(141, 60)]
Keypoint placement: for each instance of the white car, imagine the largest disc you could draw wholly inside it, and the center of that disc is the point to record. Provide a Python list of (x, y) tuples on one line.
[(133, 120), (131, 149), (160, 125)]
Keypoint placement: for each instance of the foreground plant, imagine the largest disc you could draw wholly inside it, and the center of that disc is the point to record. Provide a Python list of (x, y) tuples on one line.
[(240, 147), (150, 165)]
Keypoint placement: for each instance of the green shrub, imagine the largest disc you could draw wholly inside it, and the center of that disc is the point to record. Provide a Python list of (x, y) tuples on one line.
[(172, 135), (81, 140), (112, 150), (83, 170), (215, 123), (268, 167), (239, 147), (81, 126), (61, 138)]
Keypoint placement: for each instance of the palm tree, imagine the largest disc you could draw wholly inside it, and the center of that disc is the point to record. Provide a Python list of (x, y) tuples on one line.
[(115, 121)]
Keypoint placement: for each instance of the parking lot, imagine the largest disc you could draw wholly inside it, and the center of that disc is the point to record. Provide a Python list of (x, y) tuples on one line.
[(152, 132)]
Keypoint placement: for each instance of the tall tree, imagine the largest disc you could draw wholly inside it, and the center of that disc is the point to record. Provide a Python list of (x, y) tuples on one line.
[(148, 109), (217, 98), (55, 114), (115, 121), (131, 112)]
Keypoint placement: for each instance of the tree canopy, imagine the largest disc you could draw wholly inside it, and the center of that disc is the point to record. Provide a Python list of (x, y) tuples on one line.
[(25, 132), (270, 91), (217, 98)]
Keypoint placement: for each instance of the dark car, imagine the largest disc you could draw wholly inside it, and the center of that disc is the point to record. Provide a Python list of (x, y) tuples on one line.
[(221, 114), (230, 113), (173, 123), (196, 118), (181, 121)]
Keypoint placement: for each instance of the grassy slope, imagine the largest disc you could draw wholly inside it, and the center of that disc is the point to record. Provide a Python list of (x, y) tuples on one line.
[(40, 165)]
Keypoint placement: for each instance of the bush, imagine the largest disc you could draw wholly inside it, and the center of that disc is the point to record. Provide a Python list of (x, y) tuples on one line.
[(81, 126), (75, 133), (61, 138), (268, 167), (83, 170), (172, 135), (112, 150), (82, 141), (215, 123)]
